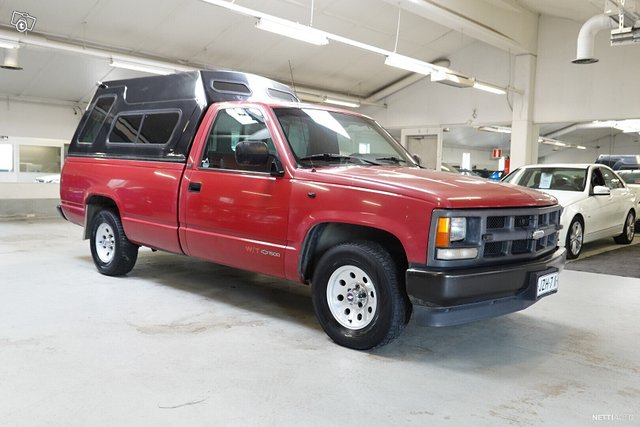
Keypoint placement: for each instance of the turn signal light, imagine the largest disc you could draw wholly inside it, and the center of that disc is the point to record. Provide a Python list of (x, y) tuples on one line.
[(442, 232)]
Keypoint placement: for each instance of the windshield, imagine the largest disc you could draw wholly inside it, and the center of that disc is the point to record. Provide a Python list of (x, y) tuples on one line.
[(566, 179), (319, 137)]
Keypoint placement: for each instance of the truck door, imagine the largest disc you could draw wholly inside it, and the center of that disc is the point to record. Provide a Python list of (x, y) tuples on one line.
[(235, 214)]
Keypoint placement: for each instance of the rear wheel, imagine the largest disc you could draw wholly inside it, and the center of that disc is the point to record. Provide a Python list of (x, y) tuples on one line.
[(628, 230), (113, 254), (575, 236), (357, 297)]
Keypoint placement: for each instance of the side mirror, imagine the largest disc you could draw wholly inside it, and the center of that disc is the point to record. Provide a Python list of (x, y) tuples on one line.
[(251, 152), (601, 190), (417, 159)]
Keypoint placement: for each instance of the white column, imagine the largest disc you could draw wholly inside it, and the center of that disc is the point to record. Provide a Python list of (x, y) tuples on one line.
[(524, 135)]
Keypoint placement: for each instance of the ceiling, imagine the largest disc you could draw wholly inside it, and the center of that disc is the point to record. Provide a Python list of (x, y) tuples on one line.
[(197, 33)]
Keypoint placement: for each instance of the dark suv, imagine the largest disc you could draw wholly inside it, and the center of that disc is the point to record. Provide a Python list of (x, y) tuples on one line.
[(619, 161)]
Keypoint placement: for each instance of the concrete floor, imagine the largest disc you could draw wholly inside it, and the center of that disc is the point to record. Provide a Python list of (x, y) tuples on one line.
[(184, 342)]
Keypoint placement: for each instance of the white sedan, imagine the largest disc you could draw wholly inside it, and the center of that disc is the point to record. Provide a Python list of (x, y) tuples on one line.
[(597, 203)]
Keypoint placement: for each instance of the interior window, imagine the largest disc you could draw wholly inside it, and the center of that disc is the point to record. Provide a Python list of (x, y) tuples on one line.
[(35, 158), (232, 126)]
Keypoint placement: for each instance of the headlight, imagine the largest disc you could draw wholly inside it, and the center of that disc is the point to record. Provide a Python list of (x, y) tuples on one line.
[(458, 229), (450, 230)]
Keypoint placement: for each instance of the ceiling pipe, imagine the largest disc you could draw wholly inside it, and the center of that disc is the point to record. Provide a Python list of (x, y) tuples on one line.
[(10, 61), (571, 128), (587, 35)]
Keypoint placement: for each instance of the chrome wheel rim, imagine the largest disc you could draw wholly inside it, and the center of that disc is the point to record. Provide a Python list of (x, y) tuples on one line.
[(630, 227), (105, 243), (351, 297), (575, 238)]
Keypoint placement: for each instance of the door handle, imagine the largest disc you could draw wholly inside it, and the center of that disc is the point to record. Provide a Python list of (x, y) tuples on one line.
[(194, 187)]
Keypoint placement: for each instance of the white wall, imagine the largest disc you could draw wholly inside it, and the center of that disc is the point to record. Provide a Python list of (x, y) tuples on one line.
[(25, 123), (37, 120)]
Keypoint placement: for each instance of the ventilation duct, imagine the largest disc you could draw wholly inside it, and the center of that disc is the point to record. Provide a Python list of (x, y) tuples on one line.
[(587, 35)]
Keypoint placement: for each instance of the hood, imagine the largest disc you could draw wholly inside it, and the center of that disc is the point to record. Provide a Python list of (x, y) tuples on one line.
[(443, 189)]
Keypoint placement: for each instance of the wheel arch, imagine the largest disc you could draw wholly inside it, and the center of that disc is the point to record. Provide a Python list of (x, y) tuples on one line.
[(323, 236), (93, 205)]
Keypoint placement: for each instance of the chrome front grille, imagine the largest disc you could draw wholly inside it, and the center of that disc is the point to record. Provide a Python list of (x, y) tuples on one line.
[(503, 235)]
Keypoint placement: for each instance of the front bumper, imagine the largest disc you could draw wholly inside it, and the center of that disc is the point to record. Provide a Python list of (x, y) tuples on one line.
[(455, 297)]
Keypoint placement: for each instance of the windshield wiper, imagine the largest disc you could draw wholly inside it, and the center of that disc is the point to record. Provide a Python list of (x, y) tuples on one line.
[(327, 157), (392, 159)]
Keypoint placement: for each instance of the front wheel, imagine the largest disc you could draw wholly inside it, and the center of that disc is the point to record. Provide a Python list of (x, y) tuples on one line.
[(357, 296), (628, 230), (113, 254), (575, 236)]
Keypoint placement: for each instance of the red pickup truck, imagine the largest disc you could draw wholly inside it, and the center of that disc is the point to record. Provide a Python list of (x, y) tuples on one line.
[(231, 168)]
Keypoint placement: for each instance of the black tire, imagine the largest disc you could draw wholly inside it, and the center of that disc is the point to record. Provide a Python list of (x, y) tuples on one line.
[(628, 230), (575, 237), (369, 309), (113, 254)]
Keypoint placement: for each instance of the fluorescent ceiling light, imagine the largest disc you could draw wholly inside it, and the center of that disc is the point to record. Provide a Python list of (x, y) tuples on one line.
[(9, 44), (342, 102), (497, 129), (293, 30), (144, 66), (452, 79), (550, 141), (489, 88), (409, 64)]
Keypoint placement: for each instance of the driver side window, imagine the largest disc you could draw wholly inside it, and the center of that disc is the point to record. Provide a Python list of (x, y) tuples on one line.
[(232, 126)]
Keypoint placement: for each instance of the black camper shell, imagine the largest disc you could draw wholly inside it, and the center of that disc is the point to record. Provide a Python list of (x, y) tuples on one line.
[(157, 117)]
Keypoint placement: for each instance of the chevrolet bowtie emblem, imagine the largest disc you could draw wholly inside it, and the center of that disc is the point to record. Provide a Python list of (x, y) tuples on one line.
[(538, 234)]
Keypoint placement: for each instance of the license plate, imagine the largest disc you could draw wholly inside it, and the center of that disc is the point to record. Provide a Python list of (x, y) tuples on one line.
[(547, 283)]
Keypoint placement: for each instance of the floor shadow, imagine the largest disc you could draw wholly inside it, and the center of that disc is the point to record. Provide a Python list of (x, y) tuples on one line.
[(498, 342), (490, 343), (242, 289)]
